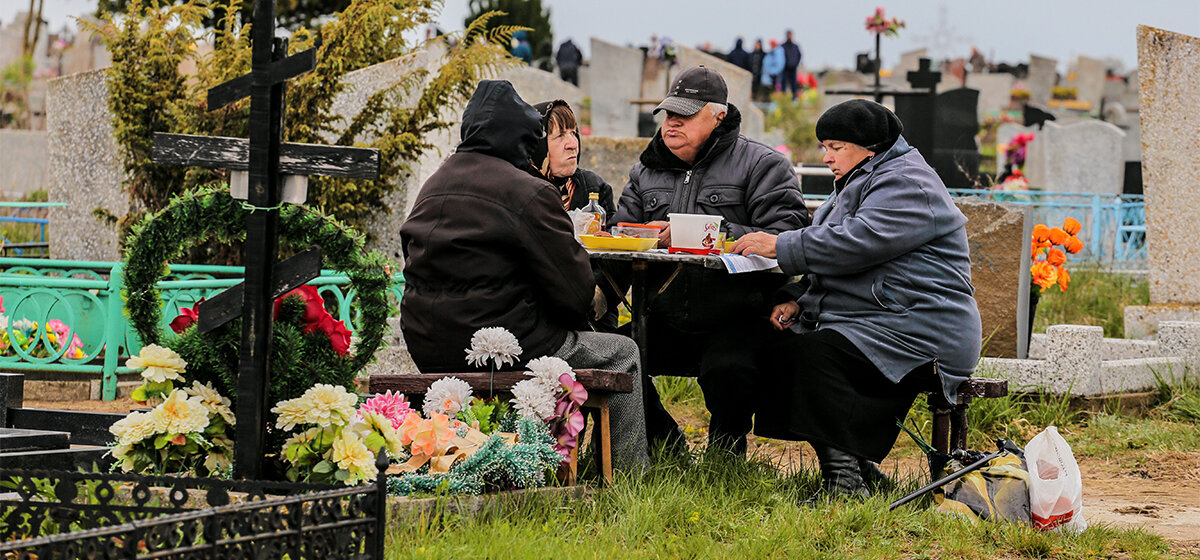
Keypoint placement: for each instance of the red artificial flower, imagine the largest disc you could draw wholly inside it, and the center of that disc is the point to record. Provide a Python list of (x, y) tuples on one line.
[(187, 317), (314, 306), (339, 335)]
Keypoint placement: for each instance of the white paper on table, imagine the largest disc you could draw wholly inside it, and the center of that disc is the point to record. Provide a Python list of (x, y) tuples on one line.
[(736, 264)]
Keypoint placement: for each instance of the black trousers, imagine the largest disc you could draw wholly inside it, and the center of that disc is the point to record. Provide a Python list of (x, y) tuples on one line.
[(821, 388), (724, 363)]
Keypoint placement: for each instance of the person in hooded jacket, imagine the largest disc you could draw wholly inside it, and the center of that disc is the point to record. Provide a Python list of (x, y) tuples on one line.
[(709, 323), (885, 309), (488, 244), (739, 56)]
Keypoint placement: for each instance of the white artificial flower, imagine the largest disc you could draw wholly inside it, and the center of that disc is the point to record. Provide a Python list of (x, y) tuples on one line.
[(134, 427), (212, 400), (321, 405), (493, 344), (534, 399), (448, 395), (161, 364), (551, 367)]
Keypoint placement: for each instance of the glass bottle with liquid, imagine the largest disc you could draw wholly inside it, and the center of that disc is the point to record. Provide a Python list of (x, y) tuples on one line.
[(599, 215)]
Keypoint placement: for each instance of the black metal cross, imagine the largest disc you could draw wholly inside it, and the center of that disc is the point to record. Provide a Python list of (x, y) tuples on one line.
[(265, 157)]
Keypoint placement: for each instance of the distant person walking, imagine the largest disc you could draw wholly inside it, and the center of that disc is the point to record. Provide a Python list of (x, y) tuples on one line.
[(522, 50), (738, 56), (569, 59), (760, 91), (791, 61), (773, 66)]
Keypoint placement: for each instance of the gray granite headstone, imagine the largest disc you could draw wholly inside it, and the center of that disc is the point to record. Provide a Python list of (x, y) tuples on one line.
[(1083, 157), (615, 75), (995, 91), (909, 62), (998, 235), (536, 86), (1089, 80), (1043, 76), (84, 166), (24, 168)]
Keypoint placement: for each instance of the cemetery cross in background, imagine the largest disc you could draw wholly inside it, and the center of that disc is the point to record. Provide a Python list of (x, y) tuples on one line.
[(264, 157)]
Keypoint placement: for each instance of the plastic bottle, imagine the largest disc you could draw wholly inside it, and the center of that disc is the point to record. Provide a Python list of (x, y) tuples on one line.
[(593, 207)]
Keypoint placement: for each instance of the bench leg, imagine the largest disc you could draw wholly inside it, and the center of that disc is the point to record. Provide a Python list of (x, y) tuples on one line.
[(940, 409), (606, 466), (958, 423)]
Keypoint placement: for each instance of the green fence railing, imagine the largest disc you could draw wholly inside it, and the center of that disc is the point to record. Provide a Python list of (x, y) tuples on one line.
[(68, 316)]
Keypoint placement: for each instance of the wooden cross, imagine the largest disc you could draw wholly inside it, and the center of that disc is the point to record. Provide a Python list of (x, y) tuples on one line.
[(264, 157)]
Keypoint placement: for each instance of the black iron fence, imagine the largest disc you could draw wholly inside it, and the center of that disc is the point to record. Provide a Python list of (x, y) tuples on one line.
[(56, 514)]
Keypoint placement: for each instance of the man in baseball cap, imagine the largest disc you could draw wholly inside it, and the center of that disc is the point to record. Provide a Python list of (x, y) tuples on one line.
[(705, 323)]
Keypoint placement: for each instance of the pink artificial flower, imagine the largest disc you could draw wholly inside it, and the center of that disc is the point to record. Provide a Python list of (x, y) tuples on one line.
[(575, 390), (390, 405), (1, 304)]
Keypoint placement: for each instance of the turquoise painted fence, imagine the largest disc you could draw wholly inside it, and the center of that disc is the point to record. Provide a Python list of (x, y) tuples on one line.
[(65, 316)]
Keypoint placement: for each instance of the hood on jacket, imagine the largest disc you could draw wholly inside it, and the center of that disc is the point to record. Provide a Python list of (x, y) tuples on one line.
[(658, 156), (498, 123)]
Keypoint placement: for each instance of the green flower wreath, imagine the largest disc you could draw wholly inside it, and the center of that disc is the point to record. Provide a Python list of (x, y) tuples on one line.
[(210, 213)]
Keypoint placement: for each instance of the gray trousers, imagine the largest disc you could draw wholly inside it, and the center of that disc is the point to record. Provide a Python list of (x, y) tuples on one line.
[(593, 350)]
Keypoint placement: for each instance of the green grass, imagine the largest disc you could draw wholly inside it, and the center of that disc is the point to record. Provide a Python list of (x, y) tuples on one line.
[(714, 508), (1095, 297)]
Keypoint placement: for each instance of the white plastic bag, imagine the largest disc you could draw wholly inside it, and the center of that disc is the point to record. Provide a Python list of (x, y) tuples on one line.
[(1055, 485)]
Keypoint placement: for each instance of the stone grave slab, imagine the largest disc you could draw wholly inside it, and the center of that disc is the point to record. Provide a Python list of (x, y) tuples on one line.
[(1083, 157), (998, 235), (616, 78), (736, 79), (995, 91), (1043, 76), (1169, 79), (13, 439), (1089, 80)]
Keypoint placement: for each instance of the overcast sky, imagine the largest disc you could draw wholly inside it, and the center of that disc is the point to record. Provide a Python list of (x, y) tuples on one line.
[(831, 32)]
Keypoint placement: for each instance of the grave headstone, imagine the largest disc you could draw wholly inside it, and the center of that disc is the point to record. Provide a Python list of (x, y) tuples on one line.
[(955, 149), (616, 73), (24, 168), (1089, 80), (1043, 76), (909, 61), (536, 86), (1169, 74), (84, 166), (998, 236), (995, 91), (1083, 157)]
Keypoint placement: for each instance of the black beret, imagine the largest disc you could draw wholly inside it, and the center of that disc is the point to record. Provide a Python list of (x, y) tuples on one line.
[(861, 122)]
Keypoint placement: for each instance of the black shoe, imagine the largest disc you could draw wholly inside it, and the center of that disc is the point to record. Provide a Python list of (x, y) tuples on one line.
[(873, 477), (840, 475)]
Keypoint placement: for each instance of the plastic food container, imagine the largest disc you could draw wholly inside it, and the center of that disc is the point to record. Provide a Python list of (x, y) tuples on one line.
[(696, 232), (641, 231), (618, 243)]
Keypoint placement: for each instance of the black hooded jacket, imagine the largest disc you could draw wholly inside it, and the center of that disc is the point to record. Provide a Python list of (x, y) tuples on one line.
[(488, 244), (749, 184)]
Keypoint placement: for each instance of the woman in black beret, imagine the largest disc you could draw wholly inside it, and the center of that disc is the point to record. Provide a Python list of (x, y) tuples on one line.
[(885, 308)]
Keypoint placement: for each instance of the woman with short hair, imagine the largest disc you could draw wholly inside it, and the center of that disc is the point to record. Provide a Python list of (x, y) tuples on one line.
[(885, 309)]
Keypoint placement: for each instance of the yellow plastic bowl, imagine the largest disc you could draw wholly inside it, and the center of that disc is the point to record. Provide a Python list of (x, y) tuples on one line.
[(617, 243)]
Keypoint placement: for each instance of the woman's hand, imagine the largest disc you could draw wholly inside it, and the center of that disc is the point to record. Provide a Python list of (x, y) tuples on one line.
[(664, 234), (755, 243), (784, 315)]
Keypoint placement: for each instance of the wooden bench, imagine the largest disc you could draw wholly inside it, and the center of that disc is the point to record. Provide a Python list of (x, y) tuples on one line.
[(600, 384), (950, 420)]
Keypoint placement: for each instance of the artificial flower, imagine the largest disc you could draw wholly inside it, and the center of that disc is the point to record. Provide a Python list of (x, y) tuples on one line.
[(1058, 236), (339, 335), (350, 453), (433, 436), (551, 367), (187, 317), (575, 391), (1064, 278), (215, 402), (1041, 233), (408, 428), (179, 414), (1073, 245), (134, 427), (448, 395), (314, 306), (382, 425), (322, 405), (533, 398), (1071, 226), (162, 364), (1056, 257), (493, 344), (392, 406), (1044, 275)]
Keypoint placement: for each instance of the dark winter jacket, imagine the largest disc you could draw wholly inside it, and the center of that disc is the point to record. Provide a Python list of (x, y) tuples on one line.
[(569, 56), (791, 55), (887, 265), (488, 244), (756, 64), (749, 184), (739, 56), (587, 182)]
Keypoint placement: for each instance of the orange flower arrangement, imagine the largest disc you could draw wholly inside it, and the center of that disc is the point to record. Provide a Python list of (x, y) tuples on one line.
[(1047, 268)]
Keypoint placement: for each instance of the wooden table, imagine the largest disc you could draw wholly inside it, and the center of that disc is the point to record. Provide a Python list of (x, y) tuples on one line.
[(600, 384)]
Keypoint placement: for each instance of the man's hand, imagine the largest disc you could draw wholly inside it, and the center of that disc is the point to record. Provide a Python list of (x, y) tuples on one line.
[(664, 234), (784, 315), (756, 243)]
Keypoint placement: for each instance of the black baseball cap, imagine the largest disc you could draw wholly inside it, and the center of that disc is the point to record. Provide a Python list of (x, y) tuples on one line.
[(693, 89)]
